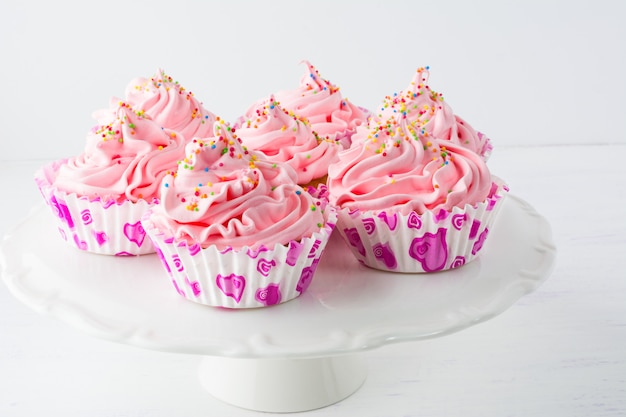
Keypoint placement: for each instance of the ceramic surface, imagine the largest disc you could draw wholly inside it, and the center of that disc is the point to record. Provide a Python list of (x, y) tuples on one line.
[(348, 308)]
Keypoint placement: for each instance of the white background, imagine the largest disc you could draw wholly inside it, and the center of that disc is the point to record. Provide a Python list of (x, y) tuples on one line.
[(524, 72), (544, 79)]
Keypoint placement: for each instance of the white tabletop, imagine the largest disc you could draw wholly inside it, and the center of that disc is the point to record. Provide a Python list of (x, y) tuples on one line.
[(560, 351)]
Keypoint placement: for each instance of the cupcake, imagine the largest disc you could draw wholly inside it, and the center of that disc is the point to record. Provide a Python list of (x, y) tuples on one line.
[(410, 203), (166, 102), (332, 116), (282, 136), (234, 229), (427, 111), (99, 196)]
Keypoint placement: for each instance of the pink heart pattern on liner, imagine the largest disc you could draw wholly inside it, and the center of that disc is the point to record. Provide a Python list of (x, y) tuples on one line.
[(232, 285)]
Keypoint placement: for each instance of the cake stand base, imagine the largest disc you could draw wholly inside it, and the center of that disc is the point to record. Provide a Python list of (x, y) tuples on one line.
[(282, 385)]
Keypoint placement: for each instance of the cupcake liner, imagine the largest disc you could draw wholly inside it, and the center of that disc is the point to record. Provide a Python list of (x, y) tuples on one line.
[(420, 243), (485, 152), (107, 228), (241, 278)]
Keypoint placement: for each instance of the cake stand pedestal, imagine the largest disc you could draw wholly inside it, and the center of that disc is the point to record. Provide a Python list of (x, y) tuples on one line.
[(300, 355), (282, 385)]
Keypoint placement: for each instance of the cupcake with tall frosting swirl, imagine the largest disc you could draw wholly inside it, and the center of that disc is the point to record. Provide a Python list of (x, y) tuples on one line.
[(99, 196), (431, 115), (168, 103), (318, 100), (233, 229), (282, 136), (409, 202)]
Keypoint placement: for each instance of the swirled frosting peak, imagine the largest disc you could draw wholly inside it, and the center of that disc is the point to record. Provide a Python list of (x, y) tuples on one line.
[(429, 112), (284, 137), (225, 195), (124, 159), (169, 104), (399, 169), (321, 103)]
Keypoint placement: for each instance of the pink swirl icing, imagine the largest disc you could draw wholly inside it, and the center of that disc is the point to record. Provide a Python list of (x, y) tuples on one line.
[(168, 103), (126, 159), (321, 103), (225, 195), (400, 170), (284, 137), (429, 112)]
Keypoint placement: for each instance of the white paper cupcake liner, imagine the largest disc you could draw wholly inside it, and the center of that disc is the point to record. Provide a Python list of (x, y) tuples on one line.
[(420, 243), (106, 228), (241, 278), (485, 152)]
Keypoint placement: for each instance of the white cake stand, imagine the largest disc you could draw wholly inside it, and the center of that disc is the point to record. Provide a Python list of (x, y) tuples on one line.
[(297, 356)]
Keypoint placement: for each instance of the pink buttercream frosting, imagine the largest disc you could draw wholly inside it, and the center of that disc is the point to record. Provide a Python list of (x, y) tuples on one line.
[(227, 196), (284, 137), (123, 160), (428, 111), (168, 103), (331, 115), (396, 168)]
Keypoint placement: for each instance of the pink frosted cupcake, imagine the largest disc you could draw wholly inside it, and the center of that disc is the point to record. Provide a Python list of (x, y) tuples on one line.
[(332, 116), (98, 197), (235, 230), (166, 102), (427, 111), (284, 137), (407, 203)]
